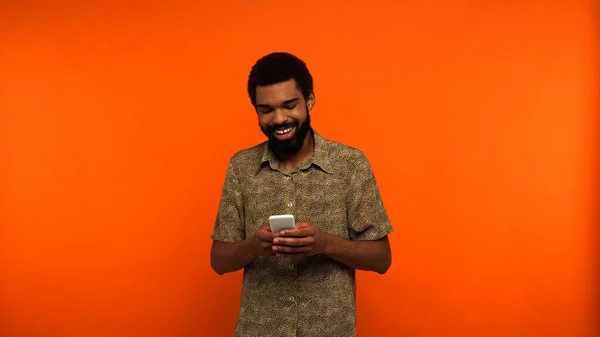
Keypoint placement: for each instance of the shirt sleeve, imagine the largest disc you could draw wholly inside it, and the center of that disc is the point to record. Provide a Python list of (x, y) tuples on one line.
[(367, 216), (229, 224)]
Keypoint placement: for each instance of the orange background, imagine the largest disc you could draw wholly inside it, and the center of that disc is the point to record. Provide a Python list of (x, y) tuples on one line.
[(117, 121)]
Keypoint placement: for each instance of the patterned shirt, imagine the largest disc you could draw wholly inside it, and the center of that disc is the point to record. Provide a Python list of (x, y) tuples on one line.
[(335, 190)]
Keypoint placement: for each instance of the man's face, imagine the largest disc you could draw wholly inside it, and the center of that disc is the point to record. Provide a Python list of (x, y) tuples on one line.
[(283, 115)]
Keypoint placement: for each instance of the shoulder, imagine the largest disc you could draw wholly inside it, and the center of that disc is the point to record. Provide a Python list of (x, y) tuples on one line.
[(247, 159), (344, 157), (251, 154), (341, 151)]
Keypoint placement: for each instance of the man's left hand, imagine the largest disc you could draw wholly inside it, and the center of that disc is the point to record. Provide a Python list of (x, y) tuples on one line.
[(305, 240)]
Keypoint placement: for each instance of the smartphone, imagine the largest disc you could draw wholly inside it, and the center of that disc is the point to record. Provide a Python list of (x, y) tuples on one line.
[(281, 222)]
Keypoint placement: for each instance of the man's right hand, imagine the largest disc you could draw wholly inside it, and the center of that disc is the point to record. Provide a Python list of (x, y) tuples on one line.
[(263, 241), (226, 257)]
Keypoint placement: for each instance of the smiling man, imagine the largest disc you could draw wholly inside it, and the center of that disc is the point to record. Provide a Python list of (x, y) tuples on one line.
[(298, 282)]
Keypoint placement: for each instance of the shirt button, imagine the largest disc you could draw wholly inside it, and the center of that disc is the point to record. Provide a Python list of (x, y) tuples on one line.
[(291, 298), (291, 267), (290, 204)]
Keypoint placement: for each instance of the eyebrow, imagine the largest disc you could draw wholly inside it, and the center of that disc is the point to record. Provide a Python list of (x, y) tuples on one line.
[(292, 100)]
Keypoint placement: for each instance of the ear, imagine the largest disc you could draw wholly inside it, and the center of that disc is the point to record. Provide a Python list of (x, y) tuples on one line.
[(311, 101)]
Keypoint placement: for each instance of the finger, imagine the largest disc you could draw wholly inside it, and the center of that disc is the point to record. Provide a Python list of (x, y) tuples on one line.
[(298, 232), (267, 236), (291, 250), (294, 242)]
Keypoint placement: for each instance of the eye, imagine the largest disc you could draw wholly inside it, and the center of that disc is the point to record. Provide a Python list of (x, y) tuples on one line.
[(265, 111), (290, 107)]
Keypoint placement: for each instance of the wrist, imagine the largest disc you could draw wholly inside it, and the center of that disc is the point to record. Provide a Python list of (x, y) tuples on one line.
[(249, 248), (328, 244)]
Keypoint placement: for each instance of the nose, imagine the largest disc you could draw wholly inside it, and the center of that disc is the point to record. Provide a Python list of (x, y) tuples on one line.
[(279, 116)]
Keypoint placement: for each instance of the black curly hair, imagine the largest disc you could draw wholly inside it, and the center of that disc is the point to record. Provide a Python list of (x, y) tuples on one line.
[(279, 67)]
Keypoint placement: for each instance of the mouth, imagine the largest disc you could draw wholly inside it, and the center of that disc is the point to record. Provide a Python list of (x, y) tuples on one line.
[(285, 133)]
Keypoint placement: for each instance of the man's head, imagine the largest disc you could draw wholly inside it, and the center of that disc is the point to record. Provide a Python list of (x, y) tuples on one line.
[(281, 90)]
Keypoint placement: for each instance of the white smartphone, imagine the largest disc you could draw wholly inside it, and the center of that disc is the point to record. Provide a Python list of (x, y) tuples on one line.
[(281, 222)]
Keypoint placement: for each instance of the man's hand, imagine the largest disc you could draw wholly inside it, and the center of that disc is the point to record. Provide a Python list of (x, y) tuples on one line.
[(262, 241), (226, 257), (305, 240)]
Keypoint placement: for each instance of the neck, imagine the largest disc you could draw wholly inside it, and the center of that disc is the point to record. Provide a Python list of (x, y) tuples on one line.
[(292, 161)]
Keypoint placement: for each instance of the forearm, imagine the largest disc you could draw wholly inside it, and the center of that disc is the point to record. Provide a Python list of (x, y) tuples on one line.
[(228, 257), (364, 255)]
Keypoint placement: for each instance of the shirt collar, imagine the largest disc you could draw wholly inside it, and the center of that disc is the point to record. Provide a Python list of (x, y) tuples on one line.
[(320, 156)]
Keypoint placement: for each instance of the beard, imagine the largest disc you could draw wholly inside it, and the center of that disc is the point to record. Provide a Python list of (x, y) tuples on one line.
[(288, 146)]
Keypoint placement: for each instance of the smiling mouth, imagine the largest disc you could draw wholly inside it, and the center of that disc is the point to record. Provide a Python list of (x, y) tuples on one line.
[(285, 133)]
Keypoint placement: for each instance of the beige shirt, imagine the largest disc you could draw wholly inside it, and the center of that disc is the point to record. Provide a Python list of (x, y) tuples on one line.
[(334, 190)]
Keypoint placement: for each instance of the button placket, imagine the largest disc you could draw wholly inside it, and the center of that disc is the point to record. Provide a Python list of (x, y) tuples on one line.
[(289, 190)]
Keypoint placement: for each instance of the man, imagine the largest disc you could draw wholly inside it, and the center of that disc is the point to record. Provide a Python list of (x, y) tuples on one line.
[(298, 282)]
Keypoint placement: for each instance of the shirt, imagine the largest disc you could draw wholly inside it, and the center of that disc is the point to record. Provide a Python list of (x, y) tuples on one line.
[(335, 190)]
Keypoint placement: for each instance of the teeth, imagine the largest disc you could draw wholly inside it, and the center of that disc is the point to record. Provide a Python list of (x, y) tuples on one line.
[(283, 131)]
